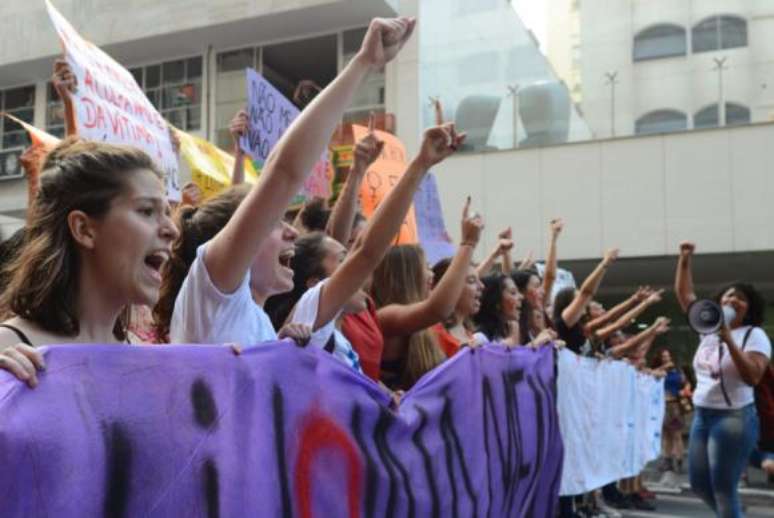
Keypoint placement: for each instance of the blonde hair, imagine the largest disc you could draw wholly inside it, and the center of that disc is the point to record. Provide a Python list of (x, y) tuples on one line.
[(399, 279)]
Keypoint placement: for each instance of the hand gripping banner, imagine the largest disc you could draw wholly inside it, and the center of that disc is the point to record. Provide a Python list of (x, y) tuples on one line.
[(124, 431)]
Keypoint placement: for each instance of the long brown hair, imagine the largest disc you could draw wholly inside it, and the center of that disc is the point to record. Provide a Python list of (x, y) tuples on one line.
[(44, 276), (197, 225), (399, 279)]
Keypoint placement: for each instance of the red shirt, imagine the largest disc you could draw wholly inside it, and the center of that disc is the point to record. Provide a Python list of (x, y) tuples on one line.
[(363, 331), (448, 343)]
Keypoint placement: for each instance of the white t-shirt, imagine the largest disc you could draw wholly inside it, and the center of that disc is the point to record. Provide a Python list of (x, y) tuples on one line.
[(205, 315), (707, 364), (305, 312)]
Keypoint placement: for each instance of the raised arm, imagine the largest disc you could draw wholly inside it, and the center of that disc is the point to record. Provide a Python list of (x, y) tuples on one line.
[(505, 252), (65, 83), (549, 277), (660, 326), (237, 128), (625, 319), (528, 261), (572, 313), (619, 309), (397, 319), (368, 252), (342, 217), (684, 276), (504, 245), (233, 249)]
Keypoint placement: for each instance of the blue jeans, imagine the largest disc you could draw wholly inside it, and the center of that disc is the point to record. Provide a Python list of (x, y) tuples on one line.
[(720, 446)]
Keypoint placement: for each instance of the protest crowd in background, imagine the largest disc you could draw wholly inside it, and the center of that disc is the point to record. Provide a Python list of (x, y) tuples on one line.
[(115, 252)]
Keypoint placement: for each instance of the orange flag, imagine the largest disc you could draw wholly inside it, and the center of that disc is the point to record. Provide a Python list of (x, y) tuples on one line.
[(33, 157)]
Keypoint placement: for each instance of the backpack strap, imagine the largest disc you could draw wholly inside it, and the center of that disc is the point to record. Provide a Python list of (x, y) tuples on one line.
[(747, 336), (720, 366)]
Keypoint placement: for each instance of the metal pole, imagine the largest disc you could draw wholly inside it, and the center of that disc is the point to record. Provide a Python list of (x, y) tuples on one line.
[(612, 80), (720, 65), (514, 92)]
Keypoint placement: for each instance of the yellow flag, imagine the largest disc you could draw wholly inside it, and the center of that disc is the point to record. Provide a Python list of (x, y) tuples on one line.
[(211, 167)]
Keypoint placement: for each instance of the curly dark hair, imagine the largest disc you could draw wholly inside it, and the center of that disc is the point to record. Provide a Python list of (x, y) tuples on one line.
[(756, 308)]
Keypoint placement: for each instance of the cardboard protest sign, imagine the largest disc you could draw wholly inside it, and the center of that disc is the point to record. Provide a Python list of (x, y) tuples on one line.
[(110, 106), (271, 113), (382, 176), (430, 225), (163, 431), (211, 167)]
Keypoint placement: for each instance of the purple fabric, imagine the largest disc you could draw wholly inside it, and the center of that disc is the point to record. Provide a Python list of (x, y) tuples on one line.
[(430, 225), (278, 431)]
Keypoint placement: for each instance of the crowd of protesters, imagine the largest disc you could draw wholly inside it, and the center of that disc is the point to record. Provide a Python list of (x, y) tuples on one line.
[(104, 258)]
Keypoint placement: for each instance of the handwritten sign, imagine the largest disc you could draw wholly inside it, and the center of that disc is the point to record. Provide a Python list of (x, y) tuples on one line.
[(110, 105), (271, 113), (382, 176), (430, 225), (195, 431)]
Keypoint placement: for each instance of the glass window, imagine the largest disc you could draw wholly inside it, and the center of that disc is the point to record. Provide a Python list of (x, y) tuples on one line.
[(661, 121), (286, 64), (236, 60), (19, 102), (54, 112), (719, 32), (370, 94), (490, 71), (737, 115), (708, 117), (174, 88), (661, 41)]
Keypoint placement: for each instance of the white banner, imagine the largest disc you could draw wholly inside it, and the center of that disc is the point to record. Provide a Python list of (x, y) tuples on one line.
[(109, 104), (610, 416)]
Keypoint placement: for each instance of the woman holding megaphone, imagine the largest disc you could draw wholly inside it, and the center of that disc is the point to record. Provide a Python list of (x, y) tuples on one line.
[(728, 364)]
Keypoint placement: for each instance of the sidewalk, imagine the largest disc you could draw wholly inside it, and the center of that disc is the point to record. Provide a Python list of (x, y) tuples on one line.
[(757, 490)]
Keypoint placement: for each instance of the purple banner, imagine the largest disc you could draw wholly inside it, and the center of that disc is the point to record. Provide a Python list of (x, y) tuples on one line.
[(278, 431), (430, 225)]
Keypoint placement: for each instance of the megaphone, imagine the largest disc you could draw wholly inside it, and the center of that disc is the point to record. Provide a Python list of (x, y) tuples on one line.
[(707, 316)]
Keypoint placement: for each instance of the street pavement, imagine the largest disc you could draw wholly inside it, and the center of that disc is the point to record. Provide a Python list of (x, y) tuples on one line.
[(689, 506)]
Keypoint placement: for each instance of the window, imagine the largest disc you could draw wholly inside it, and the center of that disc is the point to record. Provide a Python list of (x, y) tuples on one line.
[(661, 121), (660, 41), (55, 112), (174, 88), (719, 32), (231, 95), (370, 95), (284, 65), (19, 102), (708, 117)]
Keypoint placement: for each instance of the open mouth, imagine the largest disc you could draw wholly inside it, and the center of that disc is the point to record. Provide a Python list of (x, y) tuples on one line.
[(286, 257), (155, 262)]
